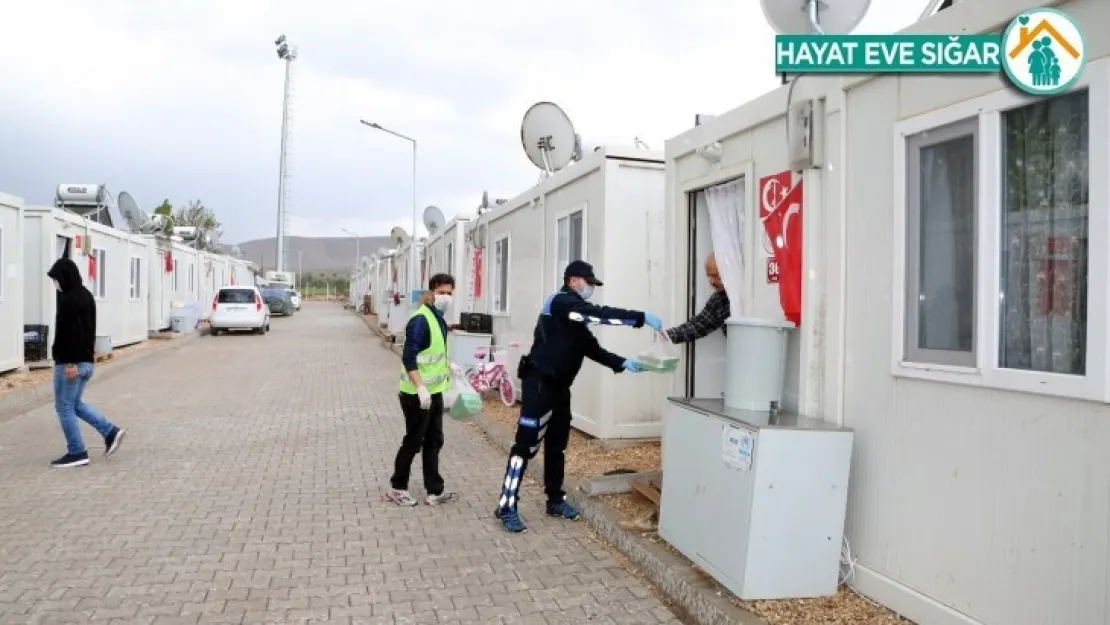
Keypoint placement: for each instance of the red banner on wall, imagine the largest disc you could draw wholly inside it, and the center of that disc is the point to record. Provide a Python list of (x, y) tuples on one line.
[(477, 273), (780, 211)]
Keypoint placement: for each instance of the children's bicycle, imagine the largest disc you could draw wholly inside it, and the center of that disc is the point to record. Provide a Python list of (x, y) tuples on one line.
[(494, 373)]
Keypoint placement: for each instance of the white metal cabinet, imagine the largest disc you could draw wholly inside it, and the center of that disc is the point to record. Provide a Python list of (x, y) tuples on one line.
[(462, 345), (766, 523)]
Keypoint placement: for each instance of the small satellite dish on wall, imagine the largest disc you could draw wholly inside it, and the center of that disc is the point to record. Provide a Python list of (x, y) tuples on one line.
[(399, 236), (807, 17), (132, 214), (547, 135), (434, 220), (478, 236)]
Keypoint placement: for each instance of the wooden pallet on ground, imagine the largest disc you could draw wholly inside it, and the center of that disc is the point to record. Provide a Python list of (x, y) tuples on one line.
[(652, 490)]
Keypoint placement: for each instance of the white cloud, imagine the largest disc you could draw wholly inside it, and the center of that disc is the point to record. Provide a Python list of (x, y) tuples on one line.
[(183, 100)]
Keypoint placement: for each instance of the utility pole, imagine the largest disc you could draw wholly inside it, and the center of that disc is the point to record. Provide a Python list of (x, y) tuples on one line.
[(288, 54)]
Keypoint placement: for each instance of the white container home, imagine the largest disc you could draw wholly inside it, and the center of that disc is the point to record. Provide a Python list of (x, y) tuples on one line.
[(446, 253), (607, 209), (12, 297), (173, 280), (963, 336), (407, 285), (112, 264)]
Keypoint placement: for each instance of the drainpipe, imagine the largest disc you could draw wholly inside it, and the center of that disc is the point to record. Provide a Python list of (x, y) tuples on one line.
[(842, 339)]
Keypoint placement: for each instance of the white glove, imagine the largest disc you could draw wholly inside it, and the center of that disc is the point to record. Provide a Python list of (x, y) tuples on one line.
[(425, 397)]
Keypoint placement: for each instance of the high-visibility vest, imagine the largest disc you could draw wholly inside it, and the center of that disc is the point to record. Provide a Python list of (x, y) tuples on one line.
[(432, 363)]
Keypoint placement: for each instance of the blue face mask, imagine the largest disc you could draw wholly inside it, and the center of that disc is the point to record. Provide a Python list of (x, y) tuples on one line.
[(586, 292)]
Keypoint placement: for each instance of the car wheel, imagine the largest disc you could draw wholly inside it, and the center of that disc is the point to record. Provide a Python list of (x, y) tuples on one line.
[(213, 332)]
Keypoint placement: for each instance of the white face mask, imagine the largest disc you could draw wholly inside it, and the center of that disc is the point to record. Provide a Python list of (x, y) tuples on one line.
[(587, 291), (57, 285), (442, 301)]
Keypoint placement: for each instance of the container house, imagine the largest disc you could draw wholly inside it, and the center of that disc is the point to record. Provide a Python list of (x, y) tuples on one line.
[(607, 209), (173, 279), (953, 310), (12, 297), (447, 254), (112, 264)]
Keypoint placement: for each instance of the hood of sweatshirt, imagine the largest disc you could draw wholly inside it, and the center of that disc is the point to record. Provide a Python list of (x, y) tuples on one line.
[(67, 274)]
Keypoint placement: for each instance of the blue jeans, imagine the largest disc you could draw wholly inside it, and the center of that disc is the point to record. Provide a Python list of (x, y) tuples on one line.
[(70, 407)]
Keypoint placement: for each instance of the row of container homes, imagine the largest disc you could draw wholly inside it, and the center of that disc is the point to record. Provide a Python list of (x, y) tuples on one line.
[(136, 279), (953, 308)]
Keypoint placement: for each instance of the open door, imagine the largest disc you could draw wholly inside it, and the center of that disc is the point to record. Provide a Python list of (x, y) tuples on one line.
[(705, 361)]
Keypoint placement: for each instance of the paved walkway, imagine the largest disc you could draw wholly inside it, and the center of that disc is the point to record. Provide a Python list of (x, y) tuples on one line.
[(247, 492)]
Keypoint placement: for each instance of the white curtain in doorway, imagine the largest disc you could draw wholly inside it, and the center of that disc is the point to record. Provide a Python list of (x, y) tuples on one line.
[(725, 204)]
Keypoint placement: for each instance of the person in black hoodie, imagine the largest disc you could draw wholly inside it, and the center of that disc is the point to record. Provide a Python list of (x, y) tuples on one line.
[(74, 335)]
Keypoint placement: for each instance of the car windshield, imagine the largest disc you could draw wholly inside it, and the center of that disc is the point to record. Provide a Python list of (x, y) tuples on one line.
[(236, 296), (278, 293)]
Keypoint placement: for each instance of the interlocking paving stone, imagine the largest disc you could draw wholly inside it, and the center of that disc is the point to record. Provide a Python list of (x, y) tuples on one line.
[(247, 491)]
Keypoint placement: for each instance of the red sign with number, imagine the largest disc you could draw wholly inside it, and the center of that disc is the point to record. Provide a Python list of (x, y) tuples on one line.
[(772, 271)]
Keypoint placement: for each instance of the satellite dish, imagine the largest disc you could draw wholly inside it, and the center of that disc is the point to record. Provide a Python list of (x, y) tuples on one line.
[(132, 214), (548, 136), (434, 220), (478, 236), (399, 236), (806, 17)]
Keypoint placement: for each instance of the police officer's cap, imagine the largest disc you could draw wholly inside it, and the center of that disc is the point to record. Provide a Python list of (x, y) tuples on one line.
[(582, 269)]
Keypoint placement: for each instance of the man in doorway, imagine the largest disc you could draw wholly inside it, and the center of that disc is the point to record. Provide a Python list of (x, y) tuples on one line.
[(712, 317), (561, 340), (73, 354), (425, 377)]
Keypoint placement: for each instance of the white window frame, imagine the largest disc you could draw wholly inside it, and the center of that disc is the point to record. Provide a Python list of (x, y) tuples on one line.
[(135, 287), (988, 110), (3, 251), (450, 262), (100, 283), (495, 276), (561, 266), (192, 276), (176, 278)]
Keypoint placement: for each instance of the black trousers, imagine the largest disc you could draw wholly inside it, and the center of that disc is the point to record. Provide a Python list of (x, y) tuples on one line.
[(544, 419), (424, 436)]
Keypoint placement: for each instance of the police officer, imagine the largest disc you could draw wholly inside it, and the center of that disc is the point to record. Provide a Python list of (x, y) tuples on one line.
[(562, 339), (425, 377)]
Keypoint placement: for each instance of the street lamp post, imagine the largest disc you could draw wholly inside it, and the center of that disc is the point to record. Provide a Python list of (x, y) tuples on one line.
[(287, 53), (358, 253), (414, 265)]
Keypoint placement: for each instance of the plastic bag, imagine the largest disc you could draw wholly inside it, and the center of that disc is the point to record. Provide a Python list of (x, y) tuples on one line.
[(461, 400), (661, 357)]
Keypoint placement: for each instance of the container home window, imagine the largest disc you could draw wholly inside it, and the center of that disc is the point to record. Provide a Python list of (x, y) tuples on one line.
[(570, 240), (1045, 224), (135, 289), (61, 246), (999, 283), (501, 275), (450, 259), (192, 277), (940, 245), (175, 272), (99, 270)]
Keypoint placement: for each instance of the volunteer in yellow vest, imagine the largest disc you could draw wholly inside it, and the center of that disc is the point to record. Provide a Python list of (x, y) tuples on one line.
[(425, 377)]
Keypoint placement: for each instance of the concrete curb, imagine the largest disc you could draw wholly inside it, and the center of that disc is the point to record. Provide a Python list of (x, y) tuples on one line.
[(698, 598), (28, 398)]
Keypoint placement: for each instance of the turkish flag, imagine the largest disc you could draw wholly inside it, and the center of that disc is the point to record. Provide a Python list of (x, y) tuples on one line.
[(169, 261), (780, 211)]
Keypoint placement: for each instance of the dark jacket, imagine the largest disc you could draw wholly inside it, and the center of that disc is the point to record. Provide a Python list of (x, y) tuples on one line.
[(562, 338), (75, 322), (418, 337)]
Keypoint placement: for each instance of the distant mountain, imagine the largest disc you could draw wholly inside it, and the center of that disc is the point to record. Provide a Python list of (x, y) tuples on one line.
[(316, 253)]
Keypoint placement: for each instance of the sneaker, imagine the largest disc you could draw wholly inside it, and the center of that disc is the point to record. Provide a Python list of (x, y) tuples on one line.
[(444, 497), (71, 460), (112, 441), (399, 497), (563, 510), (510, 520)]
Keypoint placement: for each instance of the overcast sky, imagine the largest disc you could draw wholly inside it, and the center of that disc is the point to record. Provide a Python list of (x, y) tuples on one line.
[(182, 99)]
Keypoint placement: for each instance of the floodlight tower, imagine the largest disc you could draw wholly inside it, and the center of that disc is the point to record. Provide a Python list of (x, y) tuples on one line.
[(287, 53)]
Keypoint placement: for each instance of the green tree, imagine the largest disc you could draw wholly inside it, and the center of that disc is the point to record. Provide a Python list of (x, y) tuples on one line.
[(196, 214)]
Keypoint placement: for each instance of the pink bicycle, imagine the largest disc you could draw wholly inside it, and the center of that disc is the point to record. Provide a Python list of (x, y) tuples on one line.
[(493, 374)]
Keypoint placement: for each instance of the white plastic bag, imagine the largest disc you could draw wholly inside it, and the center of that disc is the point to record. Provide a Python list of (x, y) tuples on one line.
[(461, 401), (660, 357)]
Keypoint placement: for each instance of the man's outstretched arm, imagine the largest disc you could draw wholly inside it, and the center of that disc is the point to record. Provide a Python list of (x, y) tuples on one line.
[(710, 319)]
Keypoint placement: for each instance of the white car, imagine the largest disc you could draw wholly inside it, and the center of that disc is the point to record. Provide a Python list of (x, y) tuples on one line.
[(239, 308), (296, 297)]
